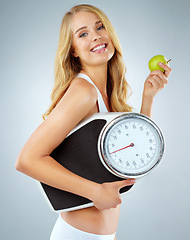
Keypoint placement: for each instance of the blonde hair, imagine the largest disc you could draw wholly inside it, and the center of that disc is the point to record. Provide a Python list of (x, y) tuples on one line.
[(67, 66)]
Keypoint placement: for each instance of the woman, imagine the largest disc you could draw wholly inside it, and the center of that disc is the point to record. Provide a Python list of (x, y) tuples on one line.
[(89, 78)]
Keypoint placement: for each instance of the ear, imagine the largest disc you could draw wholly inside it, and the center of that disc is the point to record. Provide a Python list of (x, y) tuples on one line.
[(74, 53)]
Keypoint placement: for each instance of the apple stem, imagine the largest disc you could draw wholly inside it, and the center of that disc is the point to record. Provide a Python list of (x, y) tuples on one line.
[(168, 61)]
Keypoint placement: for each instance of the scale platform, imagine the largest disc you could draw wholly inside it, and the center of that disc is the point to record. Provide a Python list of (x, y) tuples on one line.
[(79, 154)]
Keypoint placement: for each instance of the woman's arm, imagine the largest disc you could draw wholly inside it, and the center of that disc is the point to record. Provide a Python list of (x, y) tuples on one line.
[(146, 107), (35, 160), (153, 84)]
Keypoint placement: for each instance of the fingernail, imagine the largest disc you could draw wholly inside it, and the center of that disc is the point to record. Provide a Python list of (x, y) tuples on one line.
[(133, 180), (160, 63)]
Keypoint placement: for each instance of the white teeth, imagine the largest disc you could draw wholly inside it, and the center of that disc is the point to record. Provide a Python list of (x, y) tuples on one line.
[(98, 48)]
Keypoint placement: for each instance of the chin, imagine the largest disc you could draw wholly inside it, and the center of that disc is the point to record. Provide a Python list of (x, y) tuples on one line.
[(97, 59), (102, 59)]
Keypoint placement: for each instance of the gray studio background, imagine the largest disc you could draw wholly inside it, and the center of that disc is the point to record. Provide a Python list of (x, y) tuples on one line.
[(159, 206)]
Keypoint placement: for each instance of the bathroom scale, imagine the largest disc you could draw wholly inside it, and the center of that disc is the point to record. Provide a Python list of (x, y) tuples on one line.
[(106, 147)]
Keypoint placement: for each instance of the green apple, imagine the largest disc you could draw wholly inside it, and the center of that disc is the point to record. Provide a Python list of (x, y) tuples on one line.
[(153, 63)]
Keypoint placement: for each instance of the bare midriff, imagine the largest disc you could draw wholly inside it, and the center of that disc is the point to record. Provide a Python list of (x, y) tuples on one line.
[(92, 220)]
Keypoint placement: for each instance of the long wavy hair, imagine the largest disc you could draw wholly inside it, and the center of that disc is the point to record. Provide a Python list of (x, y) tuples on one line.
[(67, 66)]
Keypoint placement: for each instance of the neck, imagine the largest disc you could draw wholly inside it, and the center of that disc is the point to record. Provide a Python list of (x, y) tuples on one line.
[(99, 76)]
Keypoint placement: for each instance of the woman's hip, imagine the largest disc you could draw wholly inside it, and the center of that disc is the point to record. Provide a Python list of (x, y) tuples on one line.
[(64, 231)]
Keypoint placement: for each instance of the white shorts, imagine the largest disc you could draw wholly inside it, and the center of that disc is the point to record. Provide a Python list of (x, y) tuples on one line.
[(64, 231)]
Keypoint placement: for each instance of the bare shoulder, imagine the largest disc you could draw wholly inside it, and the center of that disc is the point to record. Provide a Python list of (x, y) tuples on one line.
[(77, 103), (80, 96), (80, 91), (85, 87)]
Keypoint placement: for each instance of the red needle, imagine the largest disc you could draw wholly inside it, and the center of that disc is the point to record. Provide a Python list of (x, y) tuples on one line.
[(131, 145)]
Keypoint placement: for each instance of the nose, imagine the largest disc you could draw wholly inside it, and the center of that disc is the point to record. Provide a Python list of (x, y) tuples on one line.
[(96, 36)]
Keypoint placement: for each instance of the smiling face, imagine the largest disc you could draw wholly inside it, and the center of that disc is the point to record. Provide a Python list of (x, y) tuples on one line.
[(91, 42)]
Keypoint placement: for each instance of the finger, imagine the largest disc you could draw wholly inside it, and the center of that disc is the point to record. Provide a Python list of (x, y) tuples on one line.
[(124, 183), (154, 84), (160, 77), (166, 68), (158, 82), (160, 74)]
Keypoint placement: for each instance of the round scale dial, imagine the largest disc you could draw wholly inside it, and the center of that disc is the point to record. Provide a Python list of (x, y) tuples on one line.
[(131, 145)]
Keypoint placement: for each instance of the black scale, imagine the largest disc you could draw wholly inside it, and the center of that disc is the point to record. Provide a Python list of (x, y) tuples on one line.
[(80, 153)]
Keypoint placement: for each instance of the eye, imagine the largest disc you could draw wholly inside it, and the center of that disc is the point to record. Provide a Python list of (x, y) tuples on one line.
[(83, 35), (101, 27)]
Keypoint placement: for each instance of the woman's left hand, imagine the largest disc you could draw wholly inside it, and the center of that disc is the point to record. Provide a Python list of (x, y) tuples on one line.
[(156, 81)]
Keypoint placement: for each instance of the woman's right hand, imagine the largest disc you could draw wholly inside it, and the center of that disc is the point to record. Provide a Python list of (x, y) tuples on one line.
[(107, 194)]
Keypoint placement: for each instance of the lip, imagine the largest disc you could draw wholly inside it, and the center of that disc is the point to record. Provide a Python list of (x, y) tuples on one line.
[(99, 45)]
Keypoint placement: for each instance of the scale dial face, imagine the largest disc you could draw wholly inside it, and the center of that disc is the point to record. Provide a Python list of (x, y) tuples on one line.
[(131, 145)]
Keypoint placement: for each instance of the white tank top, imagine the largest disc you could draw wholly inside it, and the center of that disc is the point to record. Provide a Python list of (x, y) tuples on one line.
[(101, 104)]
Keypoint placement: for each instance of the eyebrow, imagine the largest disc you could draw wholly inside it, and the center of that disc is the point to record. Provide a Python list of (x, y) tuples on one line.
[(86, 27)]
